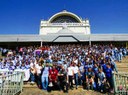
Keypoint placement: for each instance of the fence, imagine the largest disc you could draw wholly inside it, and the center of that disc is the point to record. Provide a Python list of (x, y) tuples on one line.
[(11, 83), (120, 81)]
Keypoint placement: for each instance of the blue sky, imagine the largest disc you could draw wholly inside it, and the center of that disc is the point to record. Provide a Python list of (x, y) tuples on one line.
[(24, 16)]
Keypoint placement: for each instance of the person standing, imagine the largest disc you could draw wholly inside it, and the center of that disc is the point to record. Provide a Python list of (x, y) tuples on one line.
[(44, 76), (53, 75), (76, 71), (95, 70), (81, 74), (62, 79), (70, 76), (90, 78), (101, 80), (108, 73), (32, 73), (38, 74)]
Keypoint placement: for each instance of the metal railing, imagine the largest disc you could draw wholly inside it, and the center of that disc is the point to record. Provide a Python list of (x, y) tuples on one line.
[(11, 83), (120, 81)]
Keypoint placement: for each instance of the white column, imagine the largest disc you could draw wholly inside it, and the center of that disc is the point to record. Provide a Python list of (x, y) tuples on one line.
[(41, 43)]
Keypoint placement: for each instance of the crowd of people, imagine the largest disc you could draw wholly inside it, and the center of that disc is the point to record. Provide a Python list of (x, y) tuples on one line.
[(65, 67)]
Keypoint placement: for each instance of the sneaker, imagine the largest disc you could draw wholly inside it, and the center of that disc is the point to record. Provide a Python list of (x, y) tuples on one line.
[(111, 91), (72, 88), (61, 91), (32, 82), (39, 86), (101, 91)]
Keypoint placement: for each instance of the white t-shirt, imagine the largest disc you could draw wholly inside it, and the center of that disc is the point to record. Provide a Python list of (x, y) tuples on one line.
[(31, 65), (70, 71), (76, 61), (38, 68), (65, 66), (75, 69), (14, 63)]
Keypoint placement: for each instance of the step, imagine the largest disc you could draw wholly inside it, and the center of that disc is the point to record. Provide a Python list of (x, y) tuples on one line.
[(79, 91), (123, 70), (30, 86), (122, 66)]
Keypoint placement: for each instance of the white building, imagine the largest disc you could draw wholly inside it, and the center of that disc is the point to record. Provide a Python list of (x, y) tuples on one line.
[(63, 27), (67, 20)]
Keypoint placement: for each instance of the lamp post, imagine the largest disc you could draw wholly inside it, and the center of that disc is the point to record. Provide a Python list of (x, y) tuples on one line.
[(17, 41), (17, 45), (90, 40)]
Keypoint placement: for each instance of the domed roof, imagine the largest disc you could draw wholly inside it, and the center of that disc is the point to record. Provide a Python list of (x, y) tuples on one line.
[(65, 16)]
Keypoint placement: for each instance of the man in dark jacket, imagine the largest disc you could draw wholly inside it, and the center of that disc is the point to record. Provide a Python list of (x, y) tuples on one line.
[(62, 79)]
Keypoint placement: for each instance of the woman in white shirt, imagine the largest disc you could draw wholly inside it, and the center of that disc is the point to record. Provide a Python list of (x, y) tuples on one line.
[(38, 74), (76, 71), (70, 76), (32, 73)]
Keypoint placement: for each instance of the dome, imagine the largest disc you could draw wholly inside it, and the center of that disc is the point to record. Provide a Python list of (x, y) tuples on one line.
[(65, 16)]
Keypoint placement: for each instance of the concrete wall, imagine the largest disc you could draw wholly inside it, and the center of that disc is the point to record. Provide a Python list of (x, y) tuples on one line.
[(54, 29)]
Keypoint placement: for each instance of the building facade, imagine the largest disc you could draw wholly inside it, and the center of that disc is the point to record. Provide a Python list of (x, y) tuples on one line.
[(62, 27), (64, 19)]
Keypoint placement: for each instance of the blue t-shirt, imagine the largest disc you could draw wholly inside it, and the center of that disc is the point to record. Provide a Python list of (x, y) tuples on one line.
[(95, 69), (90, 65), (108, 72), (104, 67), (90, 74), (86, 67)]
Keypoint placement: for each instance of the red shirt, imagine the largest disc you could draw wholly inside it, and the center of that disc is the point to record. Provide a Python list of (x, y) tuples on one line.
[(53, 74)]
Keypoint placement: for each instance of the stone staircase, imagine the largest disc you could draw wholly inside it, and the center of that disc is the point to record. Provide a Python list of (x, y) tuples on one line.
[(34, 90), (123, 66)]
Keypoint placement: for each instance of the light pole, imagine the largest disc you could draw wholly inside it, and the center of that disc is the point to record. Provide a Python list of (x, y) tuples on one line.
[(90, 40), (17, 44)]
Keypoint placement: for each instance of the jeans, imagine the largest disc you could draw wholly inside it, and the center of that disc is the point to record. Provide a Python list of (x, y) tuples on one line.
[(119, 57), (79, 80), (115, 67), (95, 85), (44, 81), (110, 81), (38, 80), (76, 79), (32, 77), (101, 86)]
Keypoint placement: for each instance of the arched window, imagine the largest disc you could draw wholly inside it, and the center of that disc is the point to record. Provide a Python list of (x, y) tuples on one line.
[(64, 19)]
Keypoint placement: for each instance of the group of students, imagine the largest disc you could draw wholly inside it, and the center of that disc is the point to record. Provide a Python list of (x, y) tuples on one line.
[(65, 67), (63, 77)]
